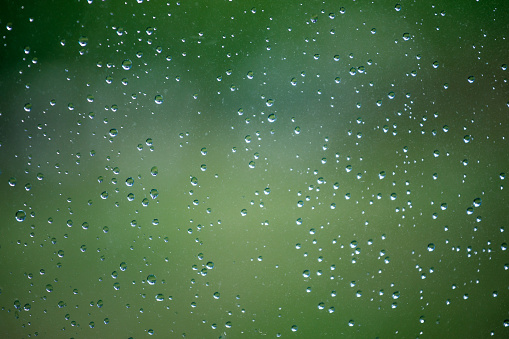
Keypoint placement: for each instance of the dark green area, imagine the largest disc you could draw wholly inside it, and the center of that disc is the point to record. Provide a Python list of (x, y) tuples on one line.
[(334, 166)]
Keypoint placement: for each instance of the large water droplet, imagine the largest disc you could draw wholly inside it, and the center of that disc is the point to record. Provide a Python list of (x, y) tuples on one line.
[(127, 64), (20, 215)]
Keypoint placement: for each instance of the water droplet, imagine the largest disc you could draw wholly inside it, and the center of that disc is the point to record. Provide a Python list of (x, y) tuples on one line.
[(243, 212), (272, 118), (127, 64), (477, 202), (83, 41), (151, 279), (158, 99), (431, 247), (154, 171), (20, 215), (471, 79)]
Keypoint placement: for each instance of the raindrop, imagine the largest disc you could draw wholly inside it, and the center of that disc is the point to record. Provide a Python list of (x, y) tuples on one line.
[(20, 215), (151, 279), (477, 202), (158, 99), (127, 64)]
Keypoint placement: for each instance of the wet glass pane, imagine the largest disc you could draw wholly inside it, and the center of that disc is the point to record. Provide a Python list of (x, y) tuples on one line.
[(246, 169)]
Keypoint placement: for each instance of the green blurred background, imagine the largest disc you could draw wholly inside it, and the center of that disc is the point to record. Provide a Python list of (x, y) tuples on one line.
[(234, 169)]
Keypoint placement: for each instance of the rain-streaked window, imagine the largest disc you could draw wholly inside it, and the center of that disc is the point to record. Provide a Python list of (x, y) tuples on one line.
[(235, 169)]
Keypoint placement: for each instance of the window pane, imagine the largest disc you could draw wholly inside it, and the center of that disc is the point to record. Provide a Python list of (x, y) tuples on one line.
[(228, 169)]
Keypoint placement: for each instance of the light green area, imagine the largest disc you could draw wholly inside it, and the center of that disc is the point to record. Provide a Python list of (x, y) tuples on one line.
[(225, 169)]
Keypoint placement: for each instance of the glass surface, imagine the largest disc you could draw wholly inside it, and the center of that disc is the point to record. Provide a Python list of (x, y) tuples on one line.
[(234, 169)]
